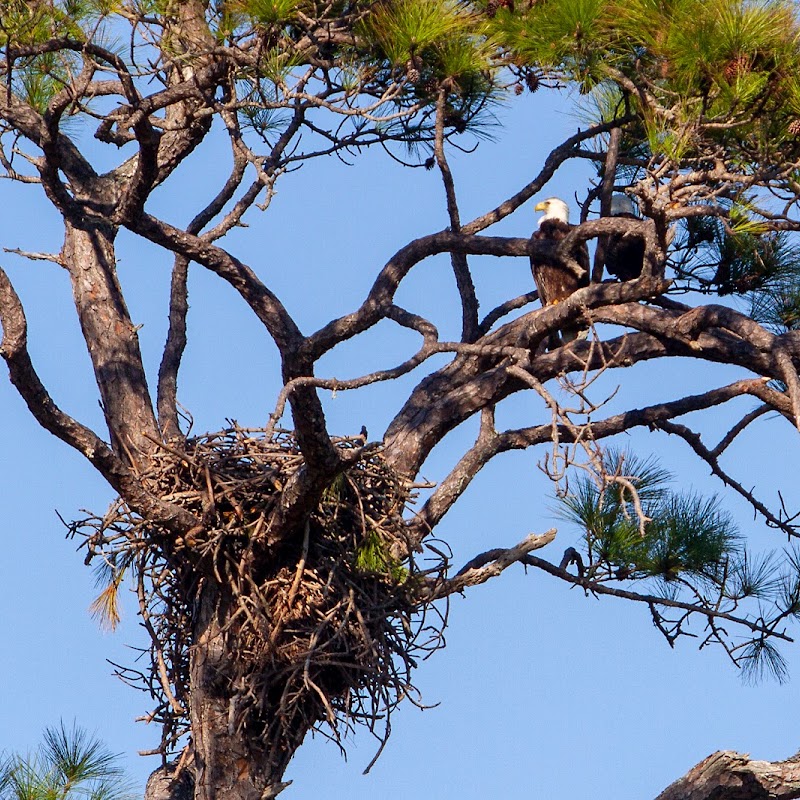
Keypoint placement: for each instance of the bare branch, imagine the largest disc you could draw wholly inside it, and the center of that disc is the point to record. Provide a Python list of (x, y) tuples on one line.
[(491, 564), (110, 335), (740, 426), (696, 443), (13, 349), (56, 259), (789, 374), (261, 300), (606, 190), (167, 398), (506, 308), (466, 288), (490, 444), (553, 161), (708, 612)]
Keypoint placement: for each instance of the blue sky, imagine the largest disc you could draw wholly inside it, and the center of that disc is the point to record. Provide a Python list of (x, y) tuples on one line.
[(541, 691)]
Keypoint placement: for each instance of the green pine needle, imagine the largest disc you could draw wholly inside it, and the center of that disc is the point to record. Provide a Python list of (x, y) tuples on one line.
[(684, 534), (75, 756), (761, 658), (689, 534), (373, 558), (753, 576), (265, 13), (405, 28), (69, 764)]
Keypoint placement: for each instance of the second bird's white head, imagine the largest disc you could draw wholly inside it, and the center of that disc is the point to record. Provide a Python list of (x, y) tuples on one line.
[(622, 204)]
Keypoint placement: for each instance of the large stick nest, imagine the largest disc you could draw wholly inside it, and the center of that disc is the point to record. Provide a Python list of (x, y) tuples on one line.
[(320, 631)]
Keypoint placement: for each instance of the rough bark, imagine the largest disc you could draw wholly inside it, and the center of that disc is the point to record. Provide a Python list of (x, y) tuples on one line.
[(727, 775), (110, 335), (170, 782), (230, 763)]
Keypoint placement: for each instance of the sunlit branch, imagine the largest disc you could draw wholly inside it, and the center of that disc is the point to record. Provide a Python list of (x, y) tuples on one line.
[(361, 112), (490, 564), (713, 777)]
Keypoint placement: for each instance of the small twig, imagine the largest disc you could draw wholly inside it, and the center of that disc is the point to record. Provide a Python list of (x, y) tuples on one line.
[(696, 443), (54, 257), (727, 440), (301, 565)]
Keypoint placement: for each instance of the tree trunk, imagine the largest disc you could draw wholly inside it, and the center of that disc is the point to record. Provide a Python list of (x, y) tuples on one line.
[(726, 775), (111, 338), (232, 762)]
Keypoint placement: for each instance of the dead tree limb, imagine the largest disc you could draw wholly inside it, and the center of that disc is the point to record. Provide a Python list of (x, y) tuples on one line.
[(727, 775)]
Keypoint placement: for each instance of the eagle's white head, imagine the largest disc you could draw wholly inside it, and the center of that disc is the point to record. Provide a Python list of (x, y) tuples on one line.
[(554, 208), (622, 204)]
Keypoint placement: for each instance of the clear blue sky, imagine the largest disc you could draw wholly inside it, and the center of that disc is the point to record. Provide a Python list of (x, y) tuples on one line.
[(541, 692)]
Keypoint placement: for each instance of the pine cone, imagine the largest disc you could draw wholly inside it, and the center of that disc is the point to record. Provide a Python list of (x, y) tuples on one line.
[(491, 8), (518, 89), (735, 67), (413, 70), (794, 127), (532, 82)]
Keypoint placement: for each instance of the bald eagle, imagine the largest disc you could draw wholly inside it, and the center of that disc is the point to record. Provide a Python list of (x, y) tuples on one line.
[(624, 252), (554, 281)]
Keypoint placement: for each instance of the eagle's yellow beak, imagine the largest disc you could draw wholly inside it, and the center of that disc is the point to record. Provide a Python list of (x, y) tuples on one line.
[(541, 206)]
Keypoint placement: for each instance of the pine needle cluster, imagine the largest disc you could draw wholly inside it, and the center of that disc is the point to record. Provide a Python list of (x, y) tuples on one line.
[(680, 534), (685, 546), (70, 764), (738, 255)]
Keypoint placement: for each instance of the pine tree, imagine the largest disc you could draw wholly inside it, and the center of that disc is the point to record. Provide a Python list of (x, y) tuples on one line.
[(278, 571)]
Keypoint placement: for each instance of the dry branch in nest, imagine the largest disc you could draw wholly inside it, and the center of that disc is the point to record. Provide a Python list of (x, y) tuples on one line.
[(318, 632)]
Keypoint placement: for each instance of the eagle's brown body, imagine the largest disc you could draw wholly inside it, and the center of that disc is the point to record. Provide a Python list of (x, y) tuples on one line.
[(554, 281)]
